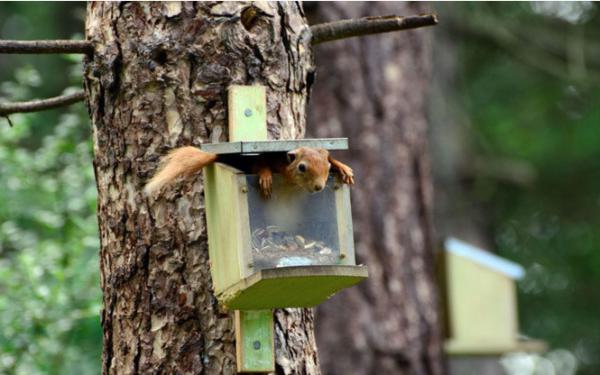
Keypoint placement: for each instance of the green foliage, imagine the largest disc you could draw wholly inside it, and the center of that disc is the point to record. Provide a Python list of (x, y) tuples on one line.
[(50, 296), (49, 284)]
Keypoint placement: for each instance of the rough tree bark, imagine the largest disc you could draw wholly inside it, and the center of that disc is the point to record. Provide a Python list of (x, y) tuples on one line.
[(157, 80), (373, 90)]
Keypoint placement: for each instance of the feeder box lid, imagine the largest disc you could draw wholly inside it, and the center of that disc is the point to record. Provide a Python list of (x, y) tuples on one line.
[(253, 147)]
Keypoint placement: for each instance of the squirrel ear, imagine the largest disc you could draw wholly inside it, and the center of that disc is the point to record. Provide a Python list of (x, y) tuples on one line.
[(291, 155), (323, 152)]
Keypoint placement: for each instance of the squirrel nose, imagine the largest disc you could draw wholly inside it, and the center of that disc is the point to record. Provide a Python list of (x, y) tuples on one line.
[(318, 187)]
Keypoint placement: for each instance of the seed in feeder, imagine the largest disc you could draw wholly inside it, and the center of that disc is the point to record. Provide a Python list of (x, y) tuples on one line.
[(271, 244), (325, 251), (300, 240), (291, 247), (294, 261)]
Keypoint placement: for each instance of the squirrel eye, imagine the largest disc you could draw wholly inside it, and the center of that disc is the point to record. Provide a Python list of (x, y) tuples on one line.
[(302, 168)]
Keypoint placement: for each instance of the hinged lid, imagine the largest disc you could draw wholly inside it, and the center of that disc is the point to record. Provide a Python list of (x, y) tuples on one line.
[(253, 147)]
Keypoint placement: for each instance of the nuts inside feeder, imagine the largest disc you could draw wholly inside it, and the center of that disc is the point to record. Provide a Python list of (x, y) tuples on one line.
[(272, 247)]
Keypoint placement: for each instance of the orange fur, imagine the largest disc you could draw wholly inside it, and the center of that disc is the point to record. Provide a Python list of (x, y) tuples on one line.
[(309, 168), (181, 162), (345, 171), (316, 165)]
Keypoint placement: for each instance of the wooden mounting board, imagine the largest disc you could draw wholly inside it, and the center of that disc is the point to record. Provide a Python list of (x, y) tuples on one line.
[(254, 341), (254, 337), (247, 111)]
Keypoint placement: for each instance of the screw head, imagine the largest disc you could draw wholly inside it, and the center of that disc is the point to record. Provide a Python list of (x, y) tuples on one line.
[(256, 345), (244, 189), (247, 112)]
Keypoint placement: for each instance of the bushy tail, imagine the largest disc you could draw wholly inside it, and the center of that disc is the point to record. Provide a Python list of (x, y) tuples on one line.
[(182, 161)]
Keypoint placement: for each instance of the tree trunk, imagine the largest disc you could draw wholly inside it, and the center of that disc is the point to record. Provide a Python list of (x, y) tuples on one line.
[(157, 80), (373, 90), (458, 212)]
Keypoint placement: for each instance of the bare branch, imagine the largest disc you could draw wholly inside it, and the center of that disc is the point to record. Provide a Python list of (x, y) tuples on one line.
[(326, 32), (46, 46), (41, 104), (9, 121)]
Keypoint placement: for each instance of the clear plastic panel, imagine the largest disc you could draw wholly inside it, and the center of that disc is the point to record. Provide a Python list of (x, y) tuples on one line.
[(293, 227)]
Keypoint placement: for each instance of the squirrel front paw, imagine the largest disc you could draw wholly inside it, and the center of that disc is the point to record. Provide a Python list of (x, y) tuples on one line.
[(347, 174), (265, 181)]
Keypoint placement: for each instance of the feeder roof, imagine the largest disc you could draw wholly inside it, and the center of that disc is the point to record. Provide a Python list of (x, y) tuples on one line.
[(253, 147), (484, 258)]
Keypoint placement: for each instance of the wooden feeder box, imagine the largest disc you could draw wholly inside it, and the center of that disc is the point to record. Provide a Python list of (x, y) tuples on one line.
[(481, 302), (294, 249)]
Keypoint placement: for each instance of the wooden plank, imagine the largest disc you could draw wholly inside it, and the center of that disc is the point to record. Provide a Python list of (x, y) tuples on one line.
[(247, 113), (223, 222), (275, 145), (482, 304), (303, 286), (344, 223), (255, 348), (454, 347), (245, 253)]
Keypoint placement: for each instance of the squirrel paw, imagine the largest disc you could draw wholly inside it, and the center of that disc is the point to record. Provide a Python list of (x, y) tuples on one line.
[(347, 174), (266, 182)]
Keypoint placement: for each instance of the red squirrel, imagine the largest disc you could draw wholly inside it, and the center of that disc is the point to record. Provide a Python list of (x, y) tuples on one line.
[(306, 167)]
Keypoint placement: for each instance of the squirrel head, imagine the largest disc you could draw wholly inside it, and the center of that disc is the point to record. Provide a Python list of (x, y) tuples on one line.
[(309, 168)]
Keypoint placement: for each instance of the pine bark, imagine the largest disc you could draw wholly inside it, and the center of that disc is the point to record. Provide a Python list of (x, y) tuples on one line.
[(374, 91), (157, 80)]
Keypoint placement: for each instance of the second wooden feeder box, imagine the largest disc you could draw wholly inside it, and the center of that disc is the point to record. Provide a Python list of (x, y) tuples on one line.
[(294, 249)]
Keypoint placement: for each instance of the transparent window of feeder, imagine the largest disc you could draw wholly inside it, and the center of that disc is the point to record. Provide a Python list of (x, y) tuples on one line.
[(293, 227)]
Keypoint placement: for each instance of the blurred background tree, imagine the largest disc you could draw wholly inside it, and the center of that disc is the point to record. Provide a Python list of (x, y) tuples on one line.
[(516, 145), (373, 90)]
